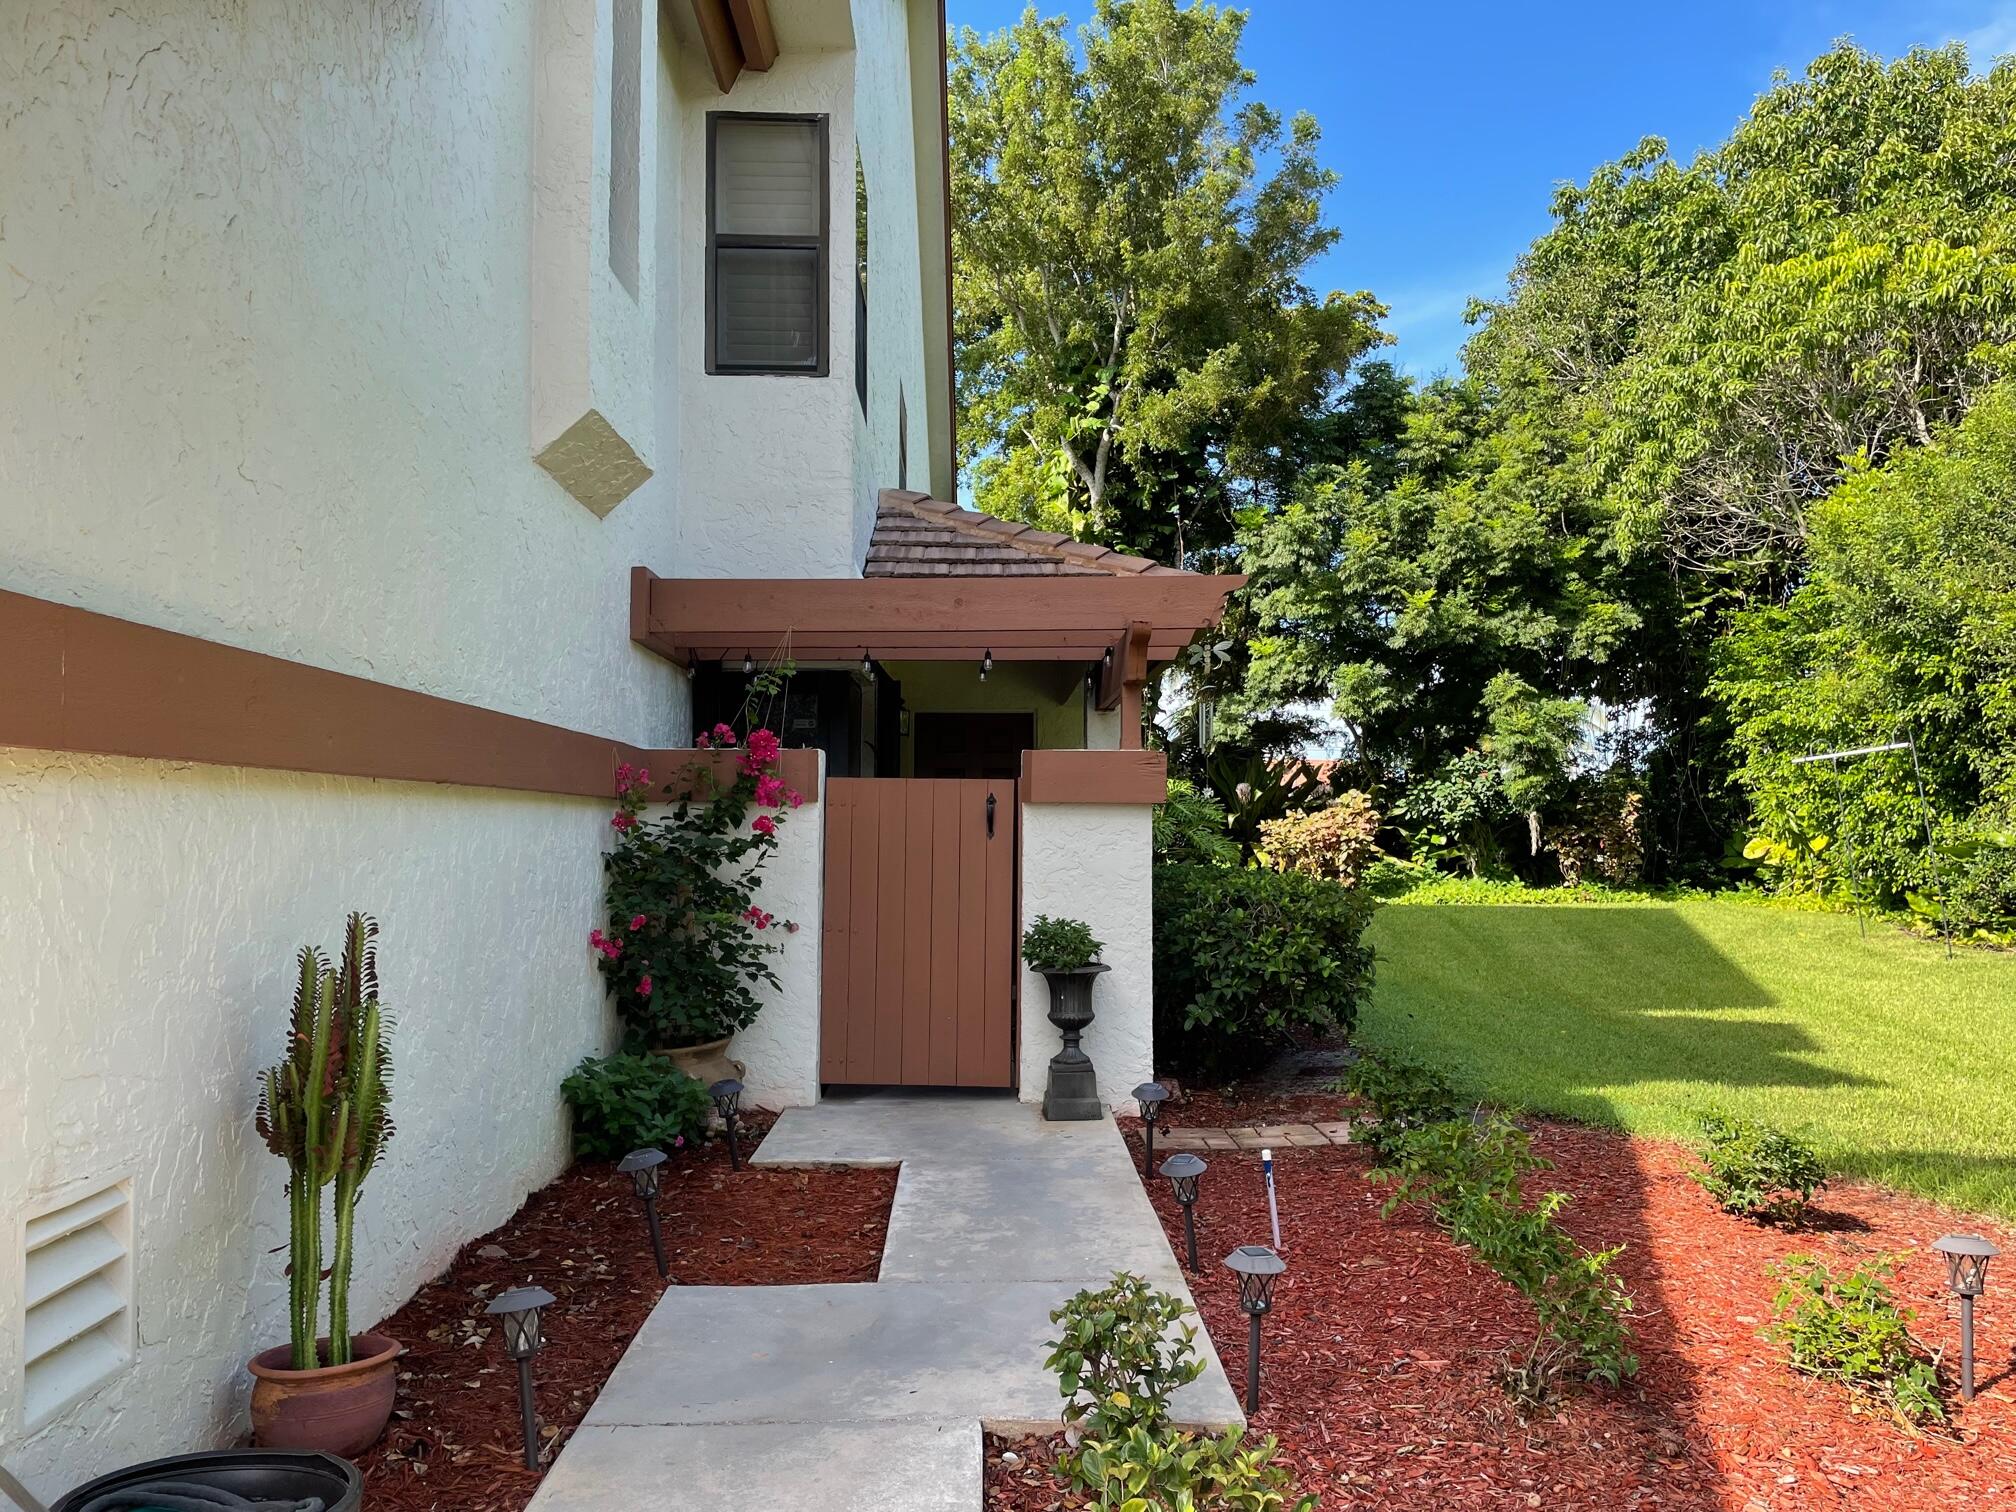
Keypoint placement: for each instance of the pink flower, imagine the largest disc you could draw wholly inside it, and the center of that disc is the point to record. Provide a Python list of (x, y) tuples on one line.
[(756, 916), (637, 921), (623, 820), (644, 987), (791, 926), (764, 746), (702, 743), (643, 777), (764, 825), (678, 1141), (624, 772), (724, 734), (769, 791), (793, 797), (609, 948)]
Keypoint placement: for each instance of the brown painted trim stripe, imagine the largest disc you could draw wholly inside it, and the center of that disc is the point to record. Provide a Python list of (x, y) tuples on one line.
[(1094, 777), (72, 680)]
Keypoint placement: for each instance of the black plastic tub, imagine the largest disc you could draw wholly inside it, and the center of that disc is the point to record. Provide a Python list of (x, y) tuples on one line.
[(256, 1474)]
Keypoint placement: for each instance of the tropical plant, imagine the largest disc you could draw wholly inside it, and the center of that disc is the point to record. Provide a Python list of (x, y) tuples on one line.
[(1848, 1329), (1254, 788), (1405, 1096), (1121, 1352), (633, 1102), (1244, 959), (325, 1111), (1190, 826), (1140, 1471), (1059, 944), (687, 943), (1336, 842), (1756, 1170)]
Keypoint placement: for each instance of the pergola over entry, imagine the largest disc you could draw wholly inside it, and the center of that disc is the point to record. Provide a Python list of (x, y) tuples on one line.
[(947, 584)]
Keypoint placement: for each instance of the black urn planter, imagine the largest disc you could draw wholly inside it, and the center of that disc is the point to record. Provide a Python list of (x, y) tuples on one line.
[(1073, 1090), (261, 1475)]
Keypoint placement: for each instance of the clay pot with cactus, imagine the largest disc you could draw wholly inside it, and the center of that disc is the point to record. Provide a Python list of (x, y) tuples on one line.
[(324, 1110)]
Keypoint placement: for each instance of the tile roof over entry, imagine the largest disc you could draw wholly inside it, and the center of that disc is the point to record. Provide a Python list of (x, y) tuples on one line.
[(919, 536)]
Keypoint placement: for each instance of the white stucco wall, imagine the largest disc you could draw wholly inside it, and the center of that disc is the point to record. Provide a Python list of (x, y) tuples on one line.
[(1091, 862), (781, 1049)]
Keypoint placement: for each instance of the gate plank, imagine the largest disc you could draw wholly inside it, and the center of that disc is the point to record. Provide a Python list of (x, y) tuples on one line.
[(917, 937), (861, 1026), (1000, 939), (835, 908), (945, 935), (890, 837), (972, 1001)]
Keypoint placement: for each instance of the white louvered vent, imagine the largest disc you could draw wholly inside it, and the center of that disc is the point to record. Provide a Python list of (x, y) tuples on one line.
[(80, 1299)]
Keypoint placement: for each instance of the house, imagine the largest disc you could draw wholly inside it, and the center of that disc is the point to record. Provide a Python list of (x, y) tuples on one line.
[(410, 413)]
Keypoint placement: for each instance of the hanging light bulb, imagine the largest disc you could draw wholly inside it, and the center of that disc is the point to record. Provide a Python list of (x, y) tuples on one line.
[(748, 664), (986, 664), (867, 665)]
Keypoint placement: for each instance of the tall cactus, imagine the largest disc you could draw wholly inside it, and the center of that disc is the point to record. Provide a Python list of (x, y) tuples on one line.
[(322, 1110)]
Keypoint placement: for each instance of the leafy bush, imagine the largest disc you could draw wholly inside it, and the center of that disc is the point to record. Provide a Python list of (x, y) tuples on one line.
[(1144, 1472), (633, 1102), (1255, 788), (1059, 944), (1120, 1355), (1337, 842), (1190, 827), (1405, 1096), (1847, 1329), (1243, 957), (1756, 1170), (1472, 1176), (1602, 838)]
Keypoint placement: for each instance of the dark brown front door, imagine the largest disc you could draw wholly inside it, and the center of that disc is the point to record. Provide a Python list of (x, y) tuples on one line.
[(918, 945), (973, 745)]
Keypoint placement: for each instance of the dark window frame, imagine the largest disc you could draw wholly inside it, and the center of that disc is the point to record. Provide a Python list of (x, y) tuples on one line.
[(823, 335)]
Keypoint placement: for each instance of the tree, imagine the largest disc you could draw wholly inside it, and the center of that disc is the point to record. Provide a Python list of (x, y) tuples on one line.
[(1136, 345)]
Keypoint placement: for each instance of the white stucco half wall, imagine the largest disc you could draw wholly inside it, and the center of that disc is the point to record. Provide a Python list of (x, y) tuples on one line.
[(1091, 861)]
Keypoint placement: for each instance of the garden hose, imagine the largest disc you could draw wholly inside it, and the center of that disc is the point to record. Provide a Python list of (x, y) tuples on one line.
[(187, 1496)]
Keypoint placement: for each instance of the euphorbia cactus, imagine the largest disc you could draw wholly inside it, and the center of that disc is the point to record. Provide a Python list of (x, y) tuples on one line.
[(323, 1111)]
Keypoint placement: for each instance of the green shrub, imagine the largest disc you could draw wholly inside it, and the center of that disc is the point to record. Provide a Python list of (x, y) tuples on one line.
[(1122, 1351), (1191, 827), (1405, 1097), (1846, 1329), (1472, 1176), (1338, 842), (633, 1102), (1756, 1170), (1059, 944), (1244, 957), (1144, 1472)]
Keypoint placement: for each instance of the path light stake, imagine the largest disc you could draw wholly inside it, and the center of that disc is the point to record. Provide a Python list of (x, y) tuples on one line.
[(1256, 1267), (1151, 1096), (519, 1312), (1183, 1171), (641, 1166), (1967, 1257), (1273, 1212), (727, 1095)]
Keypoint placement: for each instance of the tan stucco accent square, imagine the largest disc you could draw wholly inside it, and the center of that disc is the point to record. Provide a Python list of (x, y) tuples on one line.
[(594, 463)]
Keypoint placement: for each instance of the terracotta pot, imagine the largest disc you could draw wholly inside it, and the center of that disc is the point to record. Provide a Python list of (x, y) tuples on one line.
[(334, 1409), (706, 1063)]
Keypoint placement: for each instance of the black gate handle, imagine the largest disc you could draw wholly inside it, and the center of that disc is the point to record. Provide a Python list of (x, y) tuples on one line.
[(990, 816)]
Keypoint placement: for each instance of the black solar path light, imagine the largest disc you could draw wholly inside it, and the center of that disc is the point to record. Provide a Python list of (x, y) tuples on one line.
[(1151, 1096), (641, 1166), (727, 1095), (1256, 1266), (1183, 1171), (519, 1313), (1967, 1257)]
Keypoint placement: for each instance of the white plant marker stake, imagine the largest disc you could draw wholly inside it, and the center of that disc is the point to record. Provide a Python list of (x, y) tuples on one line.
[(1273, 1212)]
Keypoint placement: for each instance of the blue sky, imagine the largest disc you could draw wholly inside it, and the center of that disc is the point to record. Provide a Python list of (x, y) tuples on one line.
[(1450, 121)]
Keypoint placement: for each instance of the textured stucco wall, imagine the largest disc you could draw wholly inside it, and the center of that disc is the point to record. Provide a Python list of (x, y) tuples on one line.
[(268, 331), (766, 464), (1091, 862)]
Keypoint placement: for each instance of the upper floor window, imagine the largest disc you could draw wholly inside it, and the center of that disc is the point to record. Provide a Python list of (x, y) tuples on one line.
[(767, 232)]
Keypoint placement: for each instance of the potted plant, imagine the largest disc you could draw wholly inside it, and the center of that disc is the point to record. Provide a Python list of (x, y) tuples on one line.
[(1067, 955), (323, 1110), (686, 943)]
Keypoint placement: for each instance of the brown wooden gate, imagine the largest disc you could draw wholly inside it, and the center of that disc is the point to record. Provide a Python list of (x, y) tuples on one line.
[(919, 937)]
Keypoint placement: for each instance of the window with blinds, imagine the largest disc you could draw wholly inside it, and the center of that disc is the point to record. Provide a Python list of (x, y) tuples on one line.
[(766, 244)]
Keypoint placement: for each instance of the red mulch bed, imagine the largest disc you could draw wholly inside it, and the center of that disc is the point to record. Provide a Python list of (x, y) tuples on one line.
[(1380, 1351), (454, 1443)]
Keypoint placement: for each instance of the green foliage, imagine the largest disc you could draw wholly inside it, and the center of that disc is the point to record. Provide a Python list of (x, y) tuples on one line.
[(1134, 338), (1120, 1353), (1244, 958), (1756, 1170), (1846, 1328), (325, 1111), (1337, 842), (1059, 944), (1255, 788), (1141, 1471), (1405, 1096), (1472, 1176), (633, 1102), (1190, 827), (1453, 813), (1906, 626)]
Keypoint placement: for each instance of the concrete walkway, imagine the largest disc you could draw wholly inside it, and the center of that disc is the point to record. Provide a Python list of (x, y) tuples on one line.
[(815, 1398)]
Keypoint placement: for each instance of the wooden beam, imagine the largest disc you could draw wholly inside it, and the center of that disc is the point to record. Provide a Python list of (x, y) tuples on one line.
[(717, 36), (753, 31), (1094, 777), (1126, 662)]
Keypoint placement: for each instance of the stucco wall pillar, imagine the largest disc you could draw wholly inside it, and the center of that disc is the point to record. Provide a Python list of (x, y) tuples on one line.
[(781, 1049)]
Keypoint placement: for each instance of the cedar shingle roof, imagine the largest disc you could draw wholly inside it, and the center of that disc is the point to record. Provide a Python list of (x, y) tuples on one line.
[(919, 536)]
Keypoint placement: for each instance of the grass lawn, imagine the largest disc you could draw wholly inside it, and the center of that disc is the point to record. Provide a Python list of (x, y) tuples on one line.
[(1899, 1065)]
